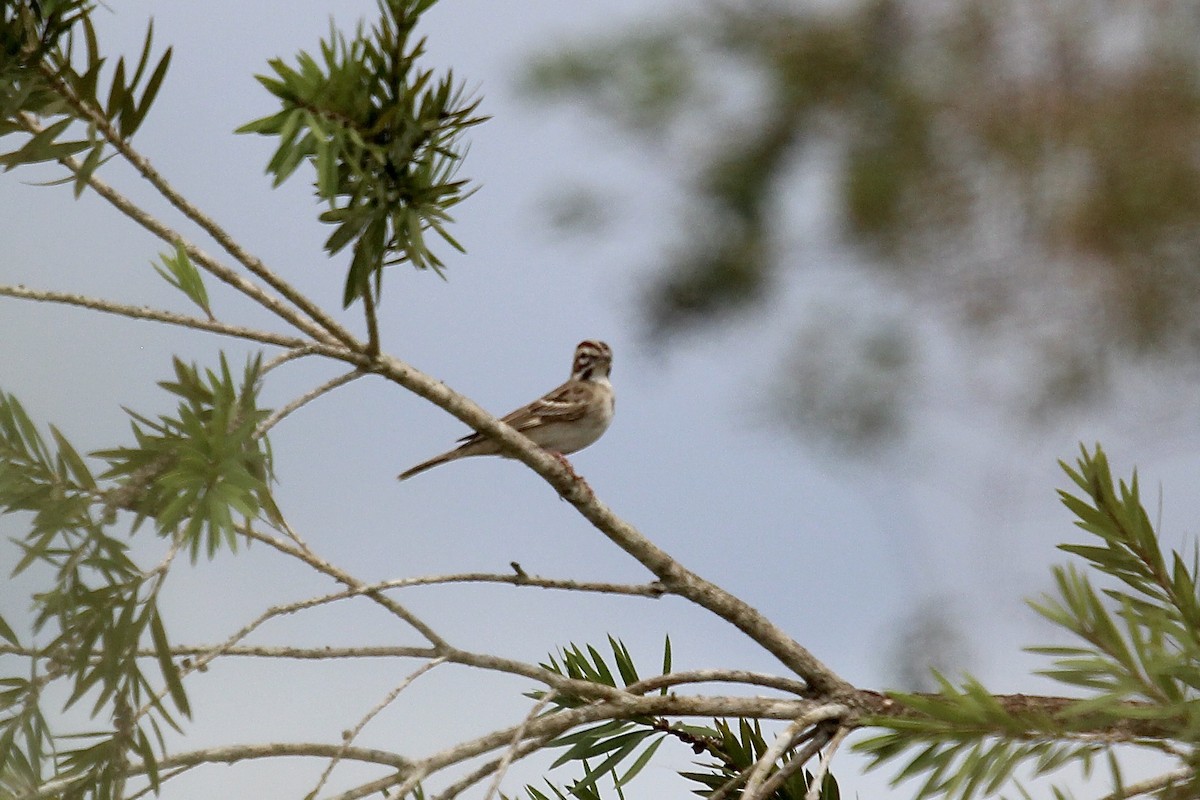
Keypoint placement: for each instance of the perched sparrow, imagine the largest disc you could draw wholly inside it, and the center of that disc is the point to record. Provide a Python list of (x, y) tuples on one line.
[(564, 421)]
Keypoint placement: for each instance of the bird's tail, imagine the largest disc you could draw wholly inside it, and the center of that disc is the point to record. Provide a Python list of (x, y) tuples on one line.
[(430, 464)]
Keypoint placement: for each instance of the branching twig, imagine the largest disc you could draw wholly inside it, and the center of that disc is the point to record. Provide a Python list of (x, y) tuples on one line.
[(290, 355), (766, 762), (440, 648), (552, 725), (203, 659), (353, 732), (821, 735), (818, 776), (162, 778), (304, 553), (754, 789), (160, 570), (815, 738), (475, 776), (210, 264), (304, 399)]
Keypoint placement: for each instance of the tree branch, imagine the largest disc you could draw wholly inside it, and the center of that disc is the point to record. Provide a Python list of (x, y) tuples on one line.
[(552, 725), (372, 324), (717, 676), (1157, 783), (754, 788), (306, 398), (158, 315), (818, 776), (677, 579), (440, 648), (235, 753)]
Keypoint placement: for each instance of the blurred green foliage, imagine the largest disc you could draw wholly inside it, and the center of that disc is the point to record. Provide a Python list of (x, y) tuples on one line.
[(1024, 166)]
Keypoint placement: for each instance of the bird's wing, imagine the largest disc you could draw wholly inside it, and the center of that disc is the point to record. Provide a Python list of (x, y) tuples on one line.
[(567, 403)]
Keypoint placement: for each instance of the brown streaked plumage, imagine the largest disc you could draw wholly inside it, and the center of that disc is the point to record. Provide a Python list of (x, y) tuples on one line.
[(563, 421)]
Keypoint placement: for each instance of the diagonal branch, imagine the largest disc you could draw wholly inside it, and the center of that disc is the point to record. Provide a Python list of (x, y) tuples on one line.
[(755, 788), (298, 549), (817, 738), (675, 577), (372, 323), (1156, 784), (818, 776), (758, 772), (497, 766)]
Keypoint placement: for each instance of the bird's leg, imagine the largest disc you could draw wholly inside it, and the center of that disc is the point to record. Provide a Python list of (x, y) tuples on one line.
[(563, 460), (570, 470)]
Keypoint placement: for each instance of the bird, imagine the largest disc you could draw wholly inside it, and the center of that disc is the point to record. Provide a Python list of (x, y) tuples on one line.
[(562, 421)]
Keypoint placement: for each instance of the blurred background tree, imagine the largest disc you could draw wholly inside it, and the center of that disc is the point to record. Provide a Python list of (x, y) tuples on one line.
[(1019, 170)]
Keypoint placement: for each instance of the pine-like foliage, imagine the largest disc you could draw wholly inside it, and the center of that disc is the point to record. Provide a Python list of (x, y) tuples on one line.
[(1133, 673), (383, 135)]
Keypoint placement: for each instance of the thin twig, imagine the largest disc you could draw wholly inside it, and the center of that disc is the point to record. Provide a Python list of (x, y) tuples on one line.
[(717, 676), (226, 649), (210, 264), (303, 552), (372, 323), (352, 734), (158, 315), (820, 736), (1154, 784), (818, 776), (806, 726), (205, 658), (440, 648), (511, 752), (161, 568), (471, 778), (163, 777), (766, 762), (234, 753), (300, 653), (290, 355), (306, 398)]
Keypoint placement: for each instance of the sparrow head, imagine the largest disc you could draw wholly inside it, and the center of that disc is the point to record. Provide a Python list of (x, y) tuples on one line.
[(593, 359)]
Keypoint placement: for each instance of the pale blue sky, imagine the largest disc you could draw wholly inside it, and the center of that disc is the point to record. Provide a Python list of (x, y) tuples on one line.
[(837, 553)]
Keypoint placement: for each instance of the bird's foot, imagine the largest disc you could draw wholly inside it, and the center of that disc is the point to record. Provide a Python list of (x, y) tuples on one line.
[(571, 470)]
